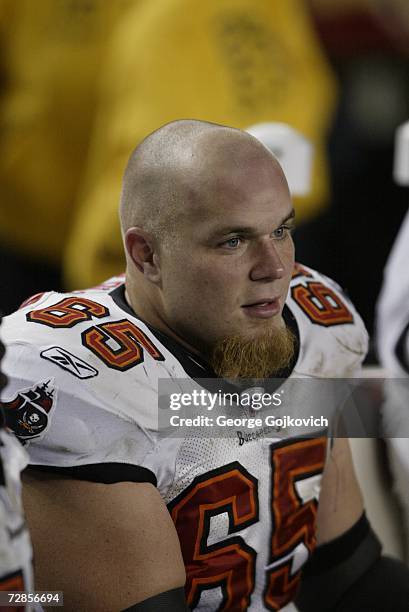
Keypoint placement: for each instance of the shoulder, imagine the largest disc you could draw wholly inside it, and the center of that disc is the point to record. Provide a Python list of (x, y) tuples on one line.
[(392, 324), (82, 351), (333, 338)]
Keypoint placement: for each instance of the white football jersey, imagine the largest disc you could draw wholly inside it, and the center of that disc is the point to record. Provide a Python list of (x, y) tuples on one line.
[(393, 307), (15, 546), (393, 347), (84, 375)]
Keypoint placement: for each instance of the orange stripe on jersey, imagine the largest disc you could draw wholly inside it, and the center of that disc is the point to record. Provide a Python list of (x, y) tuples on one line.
[(299, 270), (321, 304), (294, 520), (68, 312), (229, 564), (130, 340)]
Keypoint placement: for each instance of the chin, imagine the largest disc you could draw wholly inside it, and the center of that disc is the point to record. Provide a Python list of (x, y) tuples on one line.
[(263, 325)]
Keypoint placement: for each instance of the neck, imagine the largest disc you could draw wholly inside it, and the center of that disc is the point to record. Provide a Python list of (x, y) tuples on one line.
[(149, 313)]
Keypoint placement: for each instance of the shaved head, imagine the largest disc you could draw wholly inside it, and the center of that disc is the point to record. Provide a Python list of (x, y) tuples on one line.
[(206, 218), (172, 168)]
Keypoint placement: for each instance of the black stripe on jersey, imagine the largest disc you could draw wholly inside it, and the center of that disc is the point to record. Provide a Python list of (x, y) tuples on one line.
[(15, 533), (194, 365), (2, 477), (337, 551), (105, 473), (400, 350)]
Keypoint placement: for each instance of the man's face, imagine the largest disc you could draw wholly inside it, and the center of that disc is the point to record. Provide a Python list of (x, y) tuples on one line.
[(227, 271)]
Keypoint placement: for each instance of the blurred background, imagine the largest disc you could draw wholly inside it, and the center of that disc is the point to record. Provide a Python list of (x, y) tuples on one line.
[(83, 81)]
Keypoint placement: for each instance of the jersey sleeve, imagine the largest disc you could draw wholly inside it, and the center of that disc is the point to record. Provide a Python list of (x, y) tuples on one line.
[(393, 307), (333, 337), (66, 426)]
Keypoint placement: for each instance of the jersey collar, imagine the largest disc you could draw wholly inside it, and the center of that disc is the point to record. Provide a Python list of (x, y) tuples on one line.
[(194, 365)]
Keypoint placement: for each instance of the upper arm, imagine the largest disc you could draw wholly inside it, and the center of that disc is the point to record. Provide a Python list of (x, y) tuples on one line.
[(341, 502), (105, 546)]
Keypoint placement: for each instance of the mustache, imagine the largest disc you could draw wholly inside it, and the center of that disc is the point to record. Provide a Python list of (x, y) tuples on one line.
[(260, 357)]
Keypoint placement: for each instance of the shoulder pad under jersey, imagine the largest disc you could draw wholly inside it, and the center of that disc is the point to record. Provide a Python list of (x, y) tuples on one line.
[(333, 338), (93, 350)]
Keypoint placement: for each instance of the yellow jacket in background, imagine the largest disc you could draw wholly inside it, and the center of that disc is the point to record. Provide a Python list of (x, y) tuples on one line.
[(235, 62), (52, 52)]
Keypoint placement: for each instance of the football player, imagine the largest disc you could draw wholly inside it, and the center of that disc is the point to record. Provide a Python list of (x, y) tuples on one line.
[(15, 546), (123, 517), (393, 342)]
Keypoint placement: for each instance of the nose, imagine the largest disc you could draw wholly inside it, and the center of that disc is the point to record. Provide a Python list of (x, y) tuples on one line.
[(268, 265)]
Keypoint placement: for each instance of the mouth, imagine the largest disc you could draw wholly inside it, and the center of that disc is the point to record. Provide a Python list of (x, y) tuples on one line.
[(263, 309)]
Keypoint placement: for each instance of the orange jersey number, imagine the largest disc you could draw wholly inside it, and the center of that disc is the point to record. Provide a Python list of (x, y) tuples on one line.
[(230, 564)]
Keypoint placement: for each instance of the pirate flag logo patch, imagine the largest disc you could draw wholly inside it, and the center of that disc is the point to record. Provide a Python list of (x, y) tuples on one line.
[(27, 414)]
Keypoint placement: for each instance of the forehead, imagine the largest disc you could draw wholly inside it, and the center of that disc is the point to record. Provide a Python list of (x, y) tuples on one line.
[(252, 194)]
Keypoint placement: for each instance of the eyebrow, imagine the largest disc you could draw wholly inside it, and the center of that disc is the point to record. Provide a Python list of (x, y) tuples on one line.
[(250, 231)]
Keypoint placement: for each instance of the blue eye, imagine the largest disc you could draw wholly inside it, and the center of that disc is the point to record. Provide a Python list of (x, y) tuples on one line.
[(232, 243), (281, 232)]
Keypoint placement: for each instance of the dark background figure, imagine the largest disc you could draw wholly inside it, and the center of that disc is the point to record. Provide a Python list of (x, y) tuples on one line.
[(369, 52)]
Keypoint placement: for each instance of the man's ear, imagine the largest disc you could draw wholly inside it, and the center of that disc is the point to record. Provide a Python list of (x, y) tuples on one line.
[(141, 248)]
